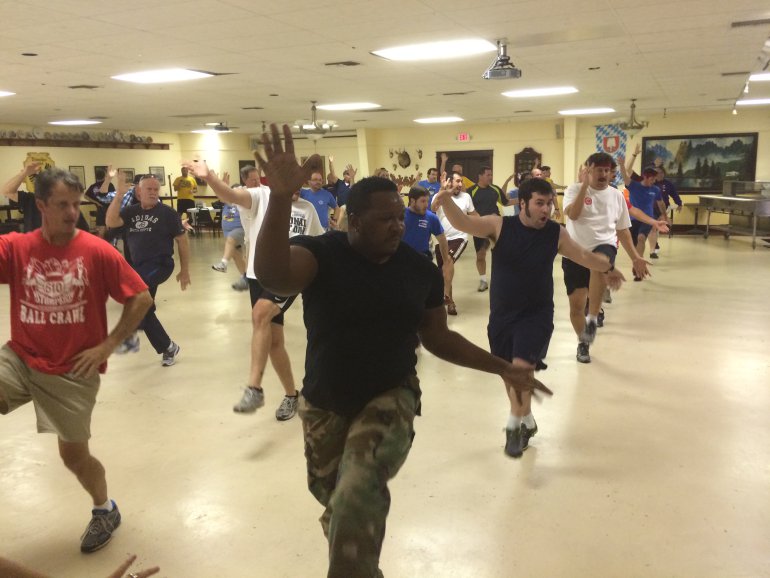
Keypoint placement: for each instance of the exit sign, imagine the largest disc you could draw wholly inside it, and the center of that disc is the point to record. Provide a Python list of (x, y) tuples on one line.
[(464, 137)]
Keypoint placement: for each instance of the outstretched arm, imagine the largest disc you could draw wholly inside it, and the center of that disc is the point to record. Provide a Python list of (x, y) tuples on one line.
[(594, 261), (333, 178), (638, 262), (281, 268), (112, 217), (222, 190), (183, 244)]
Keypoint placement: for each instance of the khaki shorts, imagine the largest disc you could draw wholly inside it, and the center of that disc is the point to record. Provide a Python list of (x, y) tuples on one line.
[(63, 403)]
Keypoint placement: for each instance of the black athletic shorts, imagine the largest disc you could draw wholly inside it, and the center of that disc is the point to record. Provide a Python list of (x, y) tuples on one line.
[(578, 277), (182, 205), (456, 248), (528, 338), (257, 292), (480, 243), (639, 228)]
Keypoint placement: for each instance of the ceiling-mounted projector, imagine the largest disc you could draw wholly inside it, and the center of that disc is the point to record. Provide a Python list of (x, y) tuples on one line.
[(502, 67)]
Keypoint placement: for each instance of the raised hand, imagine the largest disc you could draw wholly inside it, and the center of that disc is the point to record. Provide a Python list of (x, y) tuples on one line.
[(584, 174), (32, 168), (283, 172), (351, 171), (226, 178)]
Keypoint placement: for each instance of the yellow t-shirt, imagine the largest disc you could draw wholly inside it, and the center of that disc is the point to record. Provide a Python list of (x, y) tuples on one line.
[(185, 187)]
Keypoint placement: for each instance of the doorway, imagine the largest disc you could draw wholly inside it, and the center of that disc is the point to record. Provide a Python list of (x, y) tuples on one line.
[(471, 161)]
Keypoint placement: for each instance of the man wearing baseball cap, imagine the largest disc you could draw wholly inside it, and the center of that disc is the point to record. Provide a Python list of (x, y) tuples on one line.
[(643, 195)]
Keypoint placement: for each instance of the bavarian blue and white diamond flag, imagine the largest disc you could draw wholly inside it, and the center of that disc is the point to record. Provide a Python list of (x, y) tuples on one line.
[(611, 139)]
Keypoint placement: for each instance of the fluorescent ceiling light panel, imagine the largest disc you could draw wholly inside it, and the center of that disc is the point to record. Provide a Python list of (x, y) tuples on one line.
[(6, 93), (442, 50), (534, 92), (349, 106), (753, 101), (165, 75), (208, 131), (579, 111), (438, 119), (74, 122), (760, 77)]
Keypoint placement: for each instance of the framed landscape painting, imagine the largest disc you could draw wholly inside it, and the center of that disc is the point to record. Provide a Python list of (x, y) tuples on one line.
[(701, 163)]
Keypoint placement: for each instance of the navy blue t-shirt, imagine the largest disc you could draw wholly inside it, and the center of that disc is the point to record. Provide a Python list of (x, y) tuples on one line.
[(522, 273), (151, 232), (419, 228), (341, 192), (362, 319)]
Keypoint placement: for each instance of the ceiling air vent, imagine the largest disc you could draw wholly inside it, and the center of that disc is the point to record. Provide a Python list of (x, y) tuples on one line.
[(252, 108), (738, 73), (743, 23), (84, 86), (343, 63), (457, 93)]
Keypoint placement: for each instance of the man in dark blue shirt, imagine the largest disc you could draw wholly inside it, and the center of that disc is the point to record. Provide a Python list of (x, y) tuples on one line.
[(643, 195), (340, 187)]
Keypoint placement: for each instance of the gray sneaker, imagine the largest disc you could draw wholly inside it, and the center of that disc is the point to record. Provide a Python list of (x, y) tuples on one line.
[(241, 284), (483, 286), (221, 267), (169, 356), (130, 345), (252, 400), (583, 354), (100, 529), (288, 408)]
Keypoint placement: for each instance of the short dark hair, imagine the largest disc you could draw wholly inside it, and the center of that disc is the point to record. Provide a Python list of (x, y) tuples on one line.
[(245, 170), (46, 180), (534, 185), (431, 169), (99, 174), (360, 198), (417, 192), (545, 168), (483, 169), (601, 159)]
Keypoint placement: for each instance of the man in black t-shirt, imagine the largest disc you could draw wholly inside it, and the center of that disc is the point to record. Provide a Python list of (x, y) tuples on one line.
[(357, 415), (101, 199), (521, 298), (26, 200), (151, 229), (486, 197)]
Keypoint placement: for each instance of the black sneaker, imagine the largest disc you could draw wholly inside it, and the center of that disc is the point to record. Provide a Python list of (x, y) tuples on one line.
[(514, 442), (100, 529), (654, 256), (527, 433), (582, 353), (589, 332), (600, 318)]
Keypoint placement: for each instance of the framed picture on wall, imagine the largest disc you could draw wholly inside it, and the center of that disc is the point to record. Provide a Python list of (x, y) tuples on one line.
[(129, 173), (80, 173), (99, 170), (702, 162), (160, 173)]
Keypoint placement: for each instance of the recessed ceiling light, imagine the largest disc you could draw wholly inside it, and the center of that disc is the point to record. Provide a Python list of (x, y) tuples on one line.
[(6, 93), (165, 75), (753, 101), (578, 111), (438, 119), (533, 92), (74, 122), (437, 50), (760, 77), (348, 106)]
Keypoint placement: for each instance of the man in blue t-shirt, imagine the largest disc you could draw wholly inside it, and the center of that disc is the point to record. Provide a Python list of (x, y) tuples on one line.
[(420, 224), (322, 200), (431, 183), (643, 195), (340, 187)]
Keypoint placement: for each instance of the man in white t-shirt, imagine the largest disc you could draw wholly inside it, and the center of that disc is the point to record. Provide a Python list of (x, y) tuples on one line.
[(267, 338), (456, 239), (597, 218)]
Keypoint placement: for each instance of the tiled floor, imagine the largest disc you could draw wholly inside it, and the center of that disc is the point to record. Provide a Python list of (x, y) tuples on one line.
[(654, 460)]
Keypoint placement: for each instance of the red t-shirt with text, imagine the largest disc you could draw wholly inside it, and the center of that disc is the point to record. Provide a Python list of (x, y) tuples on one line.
[(59, 295)]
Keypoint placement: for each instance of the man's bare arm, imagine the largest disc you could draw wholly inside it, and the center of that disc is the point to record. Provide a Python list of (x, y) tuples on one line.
[(11, 187), (222, 190)]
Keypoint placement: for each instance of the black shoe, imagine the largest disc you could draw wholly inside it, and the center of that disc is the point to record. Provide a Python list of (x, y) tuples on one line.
[(589, 332), (514, 442), (582, 353), (600, 318), (527, 433), (540, 366), (654, 256)]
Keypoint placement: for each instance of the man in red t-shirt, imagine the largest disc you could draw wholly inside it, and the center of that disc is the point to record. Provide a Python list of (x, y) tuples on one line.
[(60, 279)]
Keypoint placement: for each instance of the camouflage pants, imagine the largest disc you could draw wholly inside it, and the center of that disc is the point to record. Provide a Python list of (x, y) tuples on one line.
[(349, 463)]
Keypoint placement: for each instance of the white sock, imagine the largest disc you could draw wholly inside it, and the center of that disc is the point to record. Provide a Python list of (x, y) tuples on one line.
[(483, 278), (105, 506), (590, 318), (224, 261), (514, 422), (529, 420)]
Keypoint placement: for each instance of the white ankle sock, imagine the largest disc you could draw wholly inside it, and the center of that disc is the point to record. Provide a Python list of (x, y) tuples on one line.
[(513, 422), (483, 278), (590, 318), (529, 420), (105, 506)]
